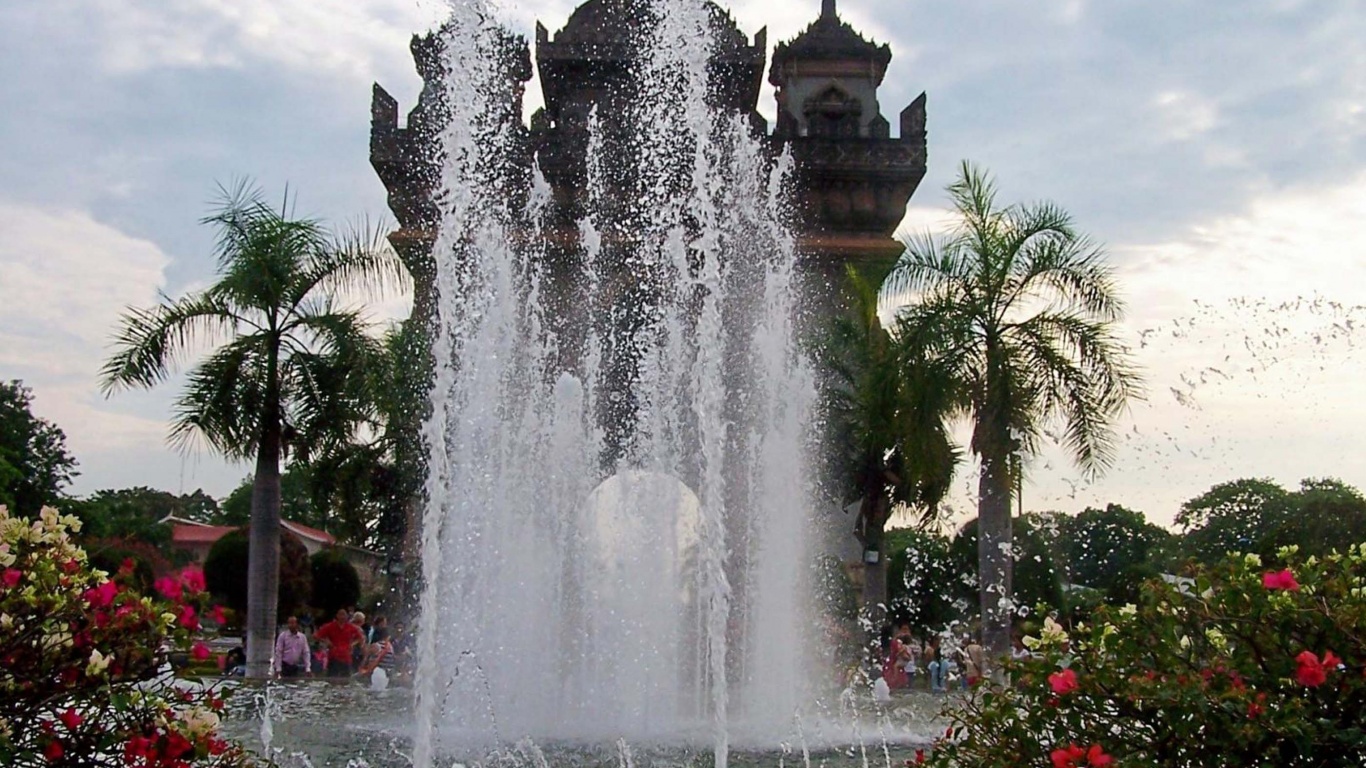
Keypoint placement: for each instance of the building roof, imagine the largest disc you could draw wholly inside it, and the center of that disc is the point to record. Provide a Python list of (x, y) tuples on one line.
[(830, 39), (188, 532)]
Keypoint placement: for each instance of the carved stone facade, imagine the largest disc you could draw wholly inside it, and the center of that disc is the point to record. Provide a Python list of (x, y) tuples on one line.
[(853, 179)]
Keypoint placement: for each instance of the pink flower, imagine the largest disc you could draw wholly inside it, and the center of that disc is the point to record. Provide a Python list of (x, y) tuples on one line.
[(1280, 580), (193, 579), (53, 751), (216, 613), (168, 587), (12, 577), (200, 651), (102, 596), (188, 619), (1063, 682), (1095, 756), (70, 718)]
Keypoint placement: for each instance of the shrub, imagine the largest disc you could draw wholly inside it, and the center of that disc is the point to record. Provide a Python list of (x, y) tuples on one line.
[(225, 571), (80, 655), (335, 582), (1244, 664)]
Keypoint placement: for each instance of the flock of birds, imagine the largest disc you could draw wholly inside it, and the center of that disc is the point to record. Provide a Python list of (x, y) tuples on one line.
[(1218, 382)]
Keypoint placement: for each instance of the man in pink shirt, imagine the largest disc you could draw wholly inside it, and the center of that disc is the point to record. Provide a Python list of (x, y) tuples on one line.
[(292, 658)]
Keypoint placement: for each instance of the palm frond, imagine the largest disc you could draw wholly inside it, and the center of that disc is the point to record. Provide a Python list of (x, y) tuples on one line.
[(149, 343), (224, 399)]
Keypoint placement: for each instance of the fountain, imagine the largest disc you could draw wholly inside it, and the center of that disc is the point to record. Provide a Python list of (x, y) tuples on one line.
[(613, 546)]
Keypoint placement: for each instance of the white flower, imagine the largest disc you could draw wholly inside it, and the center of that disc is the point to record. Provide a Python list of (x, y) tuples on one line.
[(98, 663), (1253, 560), (199, 721), (1128, 609), (1216, 639)]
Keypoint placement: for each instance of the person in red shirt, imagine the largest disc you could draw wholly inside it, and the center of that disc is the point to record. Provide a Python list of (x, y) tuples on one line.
[(340, 637)]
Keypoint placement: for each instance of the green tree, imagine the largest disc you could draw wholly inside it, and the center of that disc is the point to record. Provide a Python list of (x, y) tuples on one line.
[(888, 424), (1036, 570), (296, 502), (227, 569), (34, 464), (136, 513), (1021, 308), (287, 371), (1103, 546), (1237, 516), (921, 576), (335, 582), (1328, 515)]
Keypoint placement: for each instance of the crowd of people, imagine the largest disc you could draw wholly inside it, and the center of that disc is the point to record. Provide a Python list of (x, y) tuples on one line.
[(347, 646), (944, 660)]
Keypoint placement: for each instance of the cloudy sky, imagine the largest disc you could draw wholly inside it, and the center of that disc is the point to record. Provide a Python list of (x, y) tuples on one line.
[(1219, 149)]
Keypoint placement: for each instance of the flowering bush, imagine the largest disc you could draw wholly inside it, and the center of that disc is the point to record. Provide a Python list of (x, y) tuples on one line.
[(1245, 664), (79, 659)]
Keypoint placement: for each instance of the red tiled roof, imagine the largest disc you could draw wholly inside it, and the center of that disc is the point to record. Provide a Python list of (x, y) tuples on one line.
[(185, 534), (198, 534), (309, 533)]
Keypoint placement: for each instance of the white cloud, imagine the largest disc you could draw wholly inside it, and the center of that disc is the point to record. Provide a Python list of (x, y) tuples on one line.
[(1184, 115), (358, 39)]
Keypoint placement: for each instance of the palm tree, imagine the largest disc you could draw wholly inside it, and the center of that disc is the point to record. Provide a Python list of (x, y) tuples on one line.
[(1020, 308), (285, 366), (889, 422)]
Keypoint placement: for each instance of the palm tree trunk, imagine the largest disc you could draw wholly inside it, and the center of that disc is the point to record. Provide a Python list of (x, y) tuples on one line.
[(263, 553), (995, 563), (874, 514)]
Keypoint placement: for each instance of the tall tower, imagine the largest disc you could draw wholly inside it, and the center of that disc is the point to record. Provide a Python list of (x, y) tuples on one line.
[(854, 179)]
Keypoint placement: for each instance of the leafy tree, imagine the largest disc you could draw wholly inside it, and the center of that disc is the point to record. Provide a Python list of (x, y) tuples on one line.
[(1260, 516), (335, 581), (888, 422), (295, 501), (288, 371), (1326, 515), (1102, 546), (1020, 308), (34, 464), (1034, 562), (226, 572), (136, 513), (921, 575), (1237, 516)]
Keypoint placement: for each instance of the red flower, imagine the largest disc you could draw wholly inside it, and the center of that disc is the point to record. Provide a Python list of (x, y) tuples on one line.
[(102, 596), (200, 651), (1330, 662), (12, 577), (71, 566), (53, 751), (1280, 580), (216, 613), (70, 718), (1309, 670), (919, 756), (1255, 708), (1067, 757), (188, 619), (137, 746), (176, 745), (127, 567), (1063, 682), (168, 587), (1073, 755)]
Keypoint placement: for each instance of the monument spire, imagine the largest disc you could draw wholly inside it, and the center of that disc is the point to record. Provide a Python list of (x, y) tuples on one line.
[(828, 9)]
